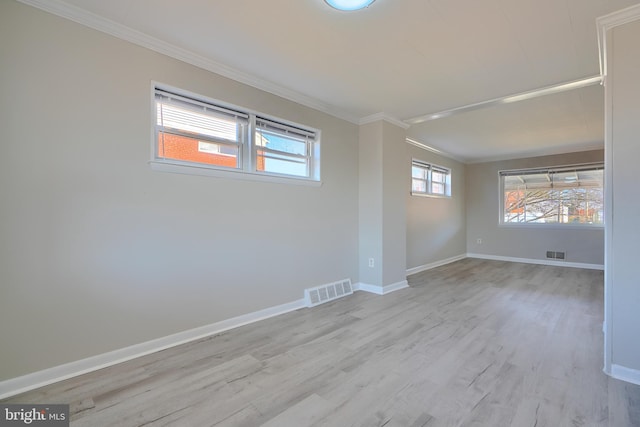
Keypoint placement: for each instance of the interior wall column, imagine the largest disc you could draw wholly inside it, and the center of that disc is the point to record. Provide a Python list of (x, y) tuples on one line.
[(384, 180)]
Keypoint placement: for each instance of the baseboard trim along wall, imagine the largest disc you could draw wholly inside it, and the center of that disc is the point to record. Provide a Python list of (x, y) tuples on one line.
[(440, 263), (381, 290), (537, 261), (48, 376), (625, 374)]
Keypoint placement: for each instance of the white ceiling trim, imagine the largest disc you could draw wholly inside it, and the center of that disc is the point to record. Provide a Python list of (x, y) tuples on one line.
[(606, 23), (539, 153), (522, 96), (382, 116), (99, 23), (434, 150)]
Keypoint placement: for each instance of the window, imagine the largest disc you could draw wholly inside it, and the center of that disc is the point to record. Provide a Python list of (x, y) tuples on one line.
[(430, 180), (282, 149), (567, 195), (196, 133)]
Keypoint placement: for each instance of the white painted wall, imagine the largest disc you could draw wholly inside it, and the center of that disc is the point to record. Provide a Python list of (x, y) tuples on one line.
[(98, 252), (384, 177), (370, 203), (396, 179), (436, 227), (622, 289), (483, 214)]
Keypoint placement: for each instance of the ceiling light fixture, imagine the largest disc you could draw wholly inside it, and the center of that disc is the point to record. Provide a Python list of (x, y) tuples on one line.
[(349, 5)]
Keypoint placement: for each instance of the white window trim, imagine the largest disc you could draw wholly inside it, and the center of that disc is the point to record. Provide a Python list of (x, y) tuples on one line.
[(542, 225), (246, 171), (430, 167), (192, 169), (553, 226)]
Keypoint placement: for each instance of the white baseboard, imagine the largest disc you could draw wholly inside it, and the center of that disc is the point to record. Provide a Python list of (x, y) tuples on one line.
[(55, 374), (381, 290), (538, 261), (440, 263), (45, 377), (625, 374)]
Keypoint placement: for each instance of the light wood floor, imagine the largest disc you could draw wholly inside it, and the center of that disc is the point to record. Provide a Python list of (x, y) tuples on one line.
[(473, 343)]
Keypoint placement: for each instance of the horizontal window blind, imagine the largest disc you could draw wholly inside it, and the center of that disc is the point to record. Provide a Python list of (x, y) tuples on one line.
[(193, 131), (176, 114), (591, 175), (284, 130)]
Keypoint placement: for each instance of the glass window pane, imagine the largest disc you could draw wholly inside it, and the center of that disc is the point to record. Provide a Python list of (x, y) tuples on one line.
[(543, 206), (582, 206), (418, 172), (438, 176), (281, 164), (178, 147), (562, 197), (285, 155), (278, 142), (419, 185), (514, 206), (437, 188)]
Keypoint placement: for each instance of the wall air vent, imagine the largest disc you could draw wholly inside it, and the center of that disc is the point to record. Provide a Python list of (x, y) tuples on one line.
[(326, 293), (555, 255)]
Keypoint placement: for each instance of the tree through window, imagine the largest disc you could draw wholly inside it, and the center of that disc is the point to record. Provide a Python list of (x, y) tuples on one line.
[(571, 195)]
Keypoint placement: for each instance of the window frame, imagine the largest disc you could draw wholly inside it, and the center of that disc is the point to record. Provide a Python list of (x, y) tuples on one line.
[(430, 168), (247, 148), (550, 170)]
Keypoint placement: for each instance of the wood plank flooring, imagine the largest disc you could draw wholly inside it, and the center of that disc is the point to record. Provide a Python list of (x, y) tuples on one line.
[(473, 343)]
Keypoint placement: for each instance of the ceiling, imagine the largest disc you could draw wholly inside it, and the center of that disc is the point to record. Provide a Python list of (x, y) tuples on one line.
[(403, 58)]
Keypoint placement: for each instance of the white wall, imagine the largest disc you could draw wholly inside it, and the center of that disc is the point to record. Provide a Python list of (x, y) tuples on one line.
[(483, 213), (98, 252), (384, 177), (436, 227), (396, 180), (622, 289), (370, 203)]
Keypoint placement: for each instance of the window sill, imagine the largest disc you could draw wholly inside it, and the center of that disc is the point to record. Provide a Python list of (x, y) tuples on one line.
[(537, 226), (432, 196), (164, 166)]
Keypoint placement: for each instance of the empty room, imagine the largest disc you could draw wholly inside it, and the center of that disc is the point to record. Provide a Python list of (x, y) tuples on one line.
[(319, 213)]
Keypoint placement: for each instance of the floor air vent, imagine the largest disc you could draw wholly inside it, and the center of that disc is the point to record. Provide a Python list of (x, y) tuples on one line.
[(326, 293)]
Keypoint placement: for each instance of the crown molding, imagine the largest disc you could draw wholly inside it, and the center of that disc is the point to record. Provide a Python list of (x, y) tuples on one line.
[(383, 116), (608, 22), (552, 151), (522, 96), (99, 23), (426, 147)]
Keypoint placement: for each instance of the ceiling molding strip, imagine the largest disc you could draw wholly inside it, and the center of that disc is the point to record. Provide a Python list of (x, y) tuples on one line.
[(99, 23), (606, 23), (539, 153), (434, 150), (382, 116), (522, 96)]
